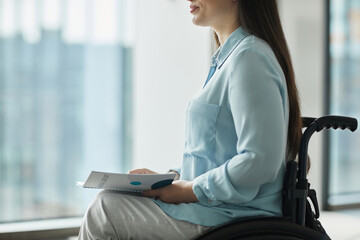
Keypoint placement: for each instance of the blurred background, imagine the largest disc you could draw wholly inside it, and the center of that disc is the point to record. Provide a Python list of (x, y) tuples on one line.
[(65, 93), (104, 84)]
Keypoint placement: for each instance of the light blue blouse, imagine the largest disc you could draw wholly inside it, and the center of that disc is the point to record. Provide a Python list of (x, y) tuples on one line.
[(236, 130)]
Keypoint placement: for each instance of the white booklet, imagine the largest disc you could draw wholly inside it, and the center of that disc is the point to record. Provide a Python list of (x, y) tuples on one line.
[(127, 182)]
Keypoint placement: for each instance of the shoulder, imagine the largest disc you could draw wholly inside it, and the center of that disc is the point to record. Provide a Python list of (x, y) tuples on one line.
[(254, 55), (254, 47), (253, 65)]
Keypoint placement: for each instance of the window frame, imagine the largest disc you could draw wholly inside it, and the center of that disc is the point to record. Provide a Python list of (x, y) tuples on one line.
[(327, 136), (41, 229)]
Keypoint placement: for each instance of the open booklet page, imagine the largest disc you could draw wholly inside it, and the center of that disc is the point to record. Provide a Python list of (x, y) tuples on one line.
[(127, 182)]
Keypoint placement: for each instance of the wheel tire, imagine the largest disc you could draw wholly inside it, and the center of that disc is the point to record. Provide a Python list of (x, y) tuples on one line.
[(268, 229)]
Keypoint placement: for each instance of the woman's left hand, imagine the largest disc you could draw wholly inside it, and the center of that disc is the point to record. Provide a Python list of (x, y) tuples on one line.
[(175, 193)]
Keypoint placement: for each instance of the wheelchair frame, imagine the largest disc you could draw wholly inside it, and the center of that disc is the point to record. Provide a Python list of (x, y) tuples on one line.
[(298, 221)]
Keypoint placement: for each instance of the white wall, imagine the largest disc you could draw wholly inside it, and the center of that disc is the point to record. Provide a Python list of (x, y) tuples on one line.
[(171, 63), (304, 27)]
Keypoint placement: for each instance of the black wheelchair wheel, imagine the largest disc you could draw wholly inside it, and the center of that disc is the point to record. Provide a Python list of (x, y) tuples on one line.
[(265, 228)]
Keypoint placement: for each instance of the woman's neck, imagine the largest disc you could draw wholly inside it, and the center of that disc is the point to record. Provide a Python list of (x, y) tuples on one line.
[(224, 32)]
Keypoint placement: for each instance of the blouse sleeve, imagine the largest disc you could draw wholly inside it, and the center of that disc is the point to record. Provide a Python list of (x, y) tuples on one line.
[(258, 102)]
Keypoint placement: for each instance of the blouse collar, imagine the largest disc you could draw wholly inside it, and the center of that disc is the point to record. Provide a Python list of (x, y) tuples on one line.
[(228, 47)]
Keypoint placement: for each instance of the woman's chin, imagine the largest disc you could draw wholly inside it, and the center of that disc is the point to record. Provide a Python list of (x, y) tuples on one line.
[(196, 21)]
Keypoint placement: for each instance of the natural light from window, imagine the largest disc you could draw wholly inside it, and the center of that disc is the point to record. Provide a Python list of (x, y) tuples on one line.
[(65, 102)]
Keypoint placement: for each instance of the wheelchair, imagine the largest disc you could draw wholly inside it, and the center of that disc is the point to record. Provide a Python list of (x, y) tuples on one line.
[(299, 221)]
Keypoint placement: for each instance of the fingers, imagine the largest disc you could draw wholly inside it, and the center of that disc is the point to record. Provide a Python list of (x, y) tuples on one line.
[(137, 171), (134, 171), (141, 171), (151, 193)]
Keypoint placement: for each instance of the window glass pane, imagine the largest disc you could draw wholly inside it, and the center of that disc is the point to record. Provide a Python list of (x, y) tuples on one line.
[(344, 187), (65, 91)]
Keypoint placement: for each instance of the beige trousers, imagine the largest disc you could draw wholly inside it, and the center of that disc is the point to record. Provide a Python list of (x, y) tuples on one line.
[(113, 215)]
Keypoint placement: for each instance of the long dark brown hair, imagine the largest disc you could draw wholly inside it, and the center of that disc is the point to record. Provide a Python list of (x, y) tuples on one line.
[(261, 19)]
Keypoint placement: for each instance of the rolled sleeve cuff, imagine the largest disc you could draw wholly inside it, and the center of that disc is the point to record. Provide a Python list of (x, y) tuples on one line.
[(203, 198)]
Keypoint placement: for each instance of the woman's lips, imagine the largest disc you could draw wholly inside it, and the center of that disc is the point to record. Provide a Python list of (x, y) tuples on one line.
[(193, 8)]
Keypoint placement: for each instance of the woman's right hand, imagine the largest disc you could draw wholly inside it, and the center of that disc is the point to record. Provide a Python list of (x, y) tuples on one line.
[(142, 171)]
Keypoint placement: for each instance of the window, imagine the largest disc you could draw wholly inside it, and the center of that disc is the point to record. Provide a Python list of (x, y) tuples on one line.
[(343, 189), (65, 102)]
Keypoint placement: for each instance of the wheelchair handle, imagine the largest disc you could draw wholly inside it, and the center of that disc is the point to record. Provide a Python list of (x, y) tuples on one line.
[(336, 122), (316, 125)]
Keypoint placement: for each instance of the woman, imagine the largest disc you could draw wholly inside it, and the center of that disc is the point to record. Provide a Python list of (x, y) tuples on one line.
[(241, 127)]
